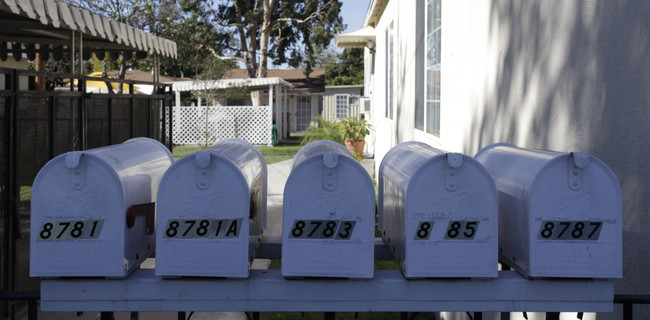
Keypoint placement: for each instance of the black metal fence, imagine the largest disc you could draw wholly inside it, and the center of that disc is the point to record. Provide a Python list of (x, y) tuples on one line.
[(43, 115)]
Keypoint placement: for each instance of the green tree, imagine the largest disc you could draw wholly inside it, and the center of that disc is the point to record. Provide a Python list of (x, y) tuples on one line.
[(348, 70), (284, 31), (166, 19)]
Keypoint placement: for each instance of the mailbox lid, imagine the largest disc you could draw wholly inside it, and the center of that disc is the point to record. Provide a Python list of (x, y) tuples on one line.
[(145, 154), (514, 169), (399, 165), (140, 164), (252, 165), (318, 147)]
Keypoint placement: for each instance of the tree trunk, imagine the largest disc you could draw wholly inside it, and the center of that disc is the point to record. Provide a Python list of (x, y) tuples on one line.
[(258, 96), (122, 74), (41, 65)]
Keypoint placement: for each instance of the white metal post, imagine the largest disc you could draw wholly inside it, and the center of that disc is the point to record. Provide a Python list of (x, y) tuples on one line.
[(271, 107), (286, 108)]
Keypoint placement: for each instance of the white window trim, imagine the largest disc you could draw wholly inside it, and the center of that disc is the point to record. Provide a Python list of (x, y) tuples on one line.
[(389, 112), (336, 105)]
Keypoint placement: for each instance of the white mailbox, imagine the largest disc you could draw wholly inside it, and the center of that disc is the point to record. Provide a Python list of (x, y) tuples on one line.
[(559, 213), (328, 215), (211, 212), (438, 213), (93, 211)]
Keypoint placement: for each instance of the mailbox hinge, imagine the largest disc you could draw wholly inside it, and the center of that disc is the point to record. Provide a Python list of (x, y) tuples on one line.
[(455, 160), (202, 161), (577, 162), (77, 169), (330, 161)]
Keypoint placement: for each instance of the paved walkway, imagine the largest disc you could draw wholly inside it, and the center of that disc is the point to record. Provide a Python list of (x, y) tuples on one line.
[(277, 178)]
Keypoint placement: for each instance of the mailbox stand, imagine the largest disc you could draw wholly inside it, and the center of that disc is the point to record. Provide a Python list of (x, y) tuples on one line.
[(268, 290)]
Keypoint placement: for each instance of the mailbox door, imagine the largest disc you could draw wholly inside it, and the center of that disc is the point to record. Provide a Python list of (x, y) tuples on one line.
[(576, 227), (203, 220), (77, 221), (451, 225), (328, 220)]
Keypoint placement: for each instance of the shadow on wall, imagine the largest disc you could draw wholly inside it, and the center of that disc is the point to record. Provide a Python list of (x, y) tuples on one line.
[(575, 76)]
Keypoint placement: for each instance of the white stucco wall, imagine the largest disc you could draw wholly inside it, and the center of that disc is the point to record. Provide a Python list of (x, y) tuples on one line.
[(399, 129), (558, 75)]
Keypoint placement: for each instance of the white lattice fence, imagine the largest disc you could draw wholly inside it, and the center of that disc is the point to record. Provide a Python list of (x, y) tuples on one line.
[(205, 125)]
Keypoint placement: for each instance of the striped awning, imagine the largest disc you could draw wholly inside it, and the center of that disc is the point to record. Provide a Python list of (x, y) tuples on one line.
[(252, 83), (51, 21)]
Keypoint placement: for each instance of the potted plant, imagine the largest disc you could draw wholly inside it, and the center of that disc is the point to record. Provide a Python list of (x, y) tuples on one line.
[(353, 132)]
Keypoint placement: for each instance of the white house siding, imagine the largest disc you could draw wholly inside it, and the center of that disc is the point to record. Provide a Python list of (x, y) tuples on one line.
[(329, 101), (559, 75)]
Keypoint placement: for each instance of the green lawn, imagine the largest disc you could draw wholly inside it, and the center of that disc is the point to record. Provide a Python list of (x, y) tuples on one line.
[(274, 154)]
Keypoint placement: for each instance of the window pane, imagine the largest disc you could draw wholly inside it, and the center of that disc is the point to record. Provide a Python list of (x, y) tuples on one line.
[(435, 9), (433, 68), (433, 118), (303, 112), (430, 13), (342, 103)]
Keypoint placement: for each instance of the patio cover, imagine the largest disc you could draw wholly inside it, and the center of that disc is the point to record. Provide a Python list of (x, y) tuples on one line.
[(51, 22), (253, 83), (355, 39)]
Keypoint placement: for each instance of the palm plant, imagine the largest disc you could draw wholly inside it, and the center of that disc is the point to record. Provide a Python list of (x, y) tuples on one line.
[(323, 130)]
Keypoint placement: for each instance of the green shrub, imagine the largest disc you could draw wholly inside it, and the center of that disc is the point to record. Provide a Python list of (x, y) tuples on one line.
[(354, 129), (323, 130)]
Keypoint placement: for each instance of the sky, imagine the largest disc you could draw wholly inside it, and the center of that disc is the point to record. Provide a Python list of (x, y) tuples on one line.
[(353, 13)]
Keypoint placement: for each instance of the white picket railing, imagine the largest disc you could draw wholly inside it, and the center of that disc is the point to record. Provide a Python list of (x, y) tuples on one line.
[(205, 125)]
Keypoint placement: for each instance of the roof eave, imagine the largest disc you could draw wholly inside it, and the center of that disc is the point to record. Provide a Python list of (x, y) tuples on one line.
[(375, 10)]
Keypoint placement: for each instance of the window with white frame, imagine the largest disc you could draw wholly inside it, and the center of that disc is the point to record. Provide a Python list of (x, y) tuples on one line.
[(428, 120), (342, 105), (389, 71), (303, 112)]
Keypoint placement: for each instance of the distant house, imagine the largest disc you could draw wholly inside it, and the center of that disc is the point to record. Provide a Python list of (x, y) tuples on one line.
[(305, 97), (308, 98), (342, 102)]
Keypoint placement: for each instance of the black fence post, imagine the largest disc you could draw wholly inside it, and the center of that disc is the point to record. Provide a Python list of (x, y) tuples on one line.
[(32, 310), (628, 311), (51, 129), (12, 190), (83, 129)]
